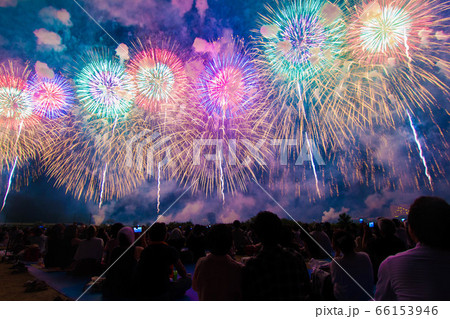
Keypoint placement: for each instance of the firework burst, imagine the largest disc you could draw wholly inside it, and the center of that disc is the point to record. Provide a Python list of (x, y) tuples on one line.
[(51, 98), (229, 85), (20, 138), (301, 48), (76, 157), (397, 43), (223, 122), (103, 87), (159, 78)]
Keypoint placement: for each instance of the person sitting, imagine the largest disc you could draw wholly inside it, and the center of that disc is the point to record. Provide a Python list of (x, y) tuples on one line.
[(113, 242), (196, 242), (274, 273), (387, 244), (240, 238), (176, 239), (354, 264), (54, 246), (217, 276), (420, 273), (119, 278), (155, 267), (320, 248), (89, 254), (70, 244)]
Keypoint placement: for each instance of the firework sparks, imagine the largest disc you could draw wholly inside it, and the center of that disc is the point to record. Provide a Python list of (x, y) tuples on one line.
[(90, 158), (159, 77), (229, 85), (104, 88), (51, 98), (16, 113)]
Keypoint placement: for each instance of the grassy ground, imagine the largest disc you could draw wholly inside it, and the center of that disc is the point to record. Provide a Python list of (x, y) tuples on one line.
[(12, 289)]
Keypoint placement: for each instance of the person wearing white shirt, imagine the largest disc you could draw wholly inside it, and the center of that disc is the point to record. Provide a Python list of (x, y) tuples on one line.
[(421, 273)]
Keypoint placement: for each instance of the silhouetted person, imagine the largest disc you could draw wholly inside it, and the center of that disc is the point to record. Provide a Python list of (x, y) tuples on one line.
[(217, 276), (323, 243), (196, 242), (54, 246), (421, 273), (113, 242), (240, 238), (89, 254), (275, 273), (355, 264), (70, 244), (155, 267), (119, 278), (176, 239), (387, 244)]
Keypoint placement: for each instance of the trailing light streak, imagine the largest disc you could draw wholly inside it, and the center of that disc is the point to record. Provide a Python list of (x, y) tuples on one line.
[(9, 183), (406, 46), (222, 182), (159, 188), (312, 164), (105, 170), (13, 169), (419, 146)]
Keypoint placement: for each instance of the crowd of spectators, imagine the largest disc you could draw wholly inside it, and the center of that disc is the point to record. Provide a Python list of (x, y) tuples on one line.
[(264, 259)]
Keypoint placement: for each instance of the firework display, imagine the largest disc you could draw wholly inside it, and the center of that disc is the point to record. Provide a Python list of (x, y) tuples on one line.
[(223, 122), (15, 104), (323, 77), (159, 78), (20, 138), (229, 85), (51, 98), (393, 44), (104, 88), (76, 158)]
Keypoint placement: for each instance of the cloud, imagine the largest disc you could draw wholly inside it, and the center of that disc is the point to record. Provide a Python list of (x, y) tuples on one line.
[(3, 41), (201, 6), (383, 202), (441, 36), (444, 68), (43, 70), (222, 46), (183, 6), (122, 52), (332, 215), (50, 15), (8, 3), (149, 14), (49, 39)]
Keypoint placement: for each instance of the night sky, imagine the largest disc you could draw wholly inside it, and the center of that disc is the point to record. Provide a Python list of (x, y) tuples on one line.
[(24, 27)]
